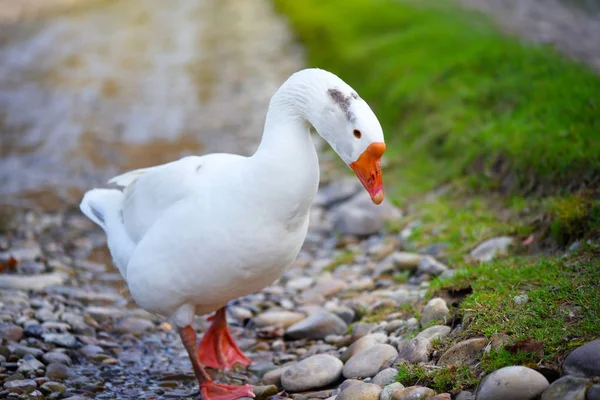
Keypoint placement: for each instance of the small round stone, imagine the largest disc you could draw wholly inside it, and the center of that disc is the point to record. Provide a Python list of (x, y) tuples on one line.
[(385, 377), (388, 392), (567, 388), (313, 372), (435, 332), (317, 326), (368, 362), (362, 344), (361, 391), (583, 361), (414, 350), (516, 383), (464, 353), (435, 310)]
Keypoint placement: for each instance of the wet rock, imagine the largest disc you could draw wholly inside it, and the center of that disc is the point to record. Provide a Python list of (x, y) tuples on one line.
[(362, 344), (516, 383), (11, 332), (431, 266), (385, 377), (414, 393), (368, 362), (317, 326), (361, 391), (359, 216), (313, 372), (53, 387), (567, 388), (414, 350), (464, 353), (489, 249), (263, 392), (20, 386), (435, 310), (32, 282), (58, 371), (435, 332), (22, 351), (135, 326), (583, 361), (60, 339), (56, 357), (280, 318)]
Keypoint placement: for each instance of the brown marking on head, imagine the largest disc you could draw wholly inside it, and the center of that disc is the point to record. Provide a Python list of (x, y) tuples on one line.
[(343, 102)]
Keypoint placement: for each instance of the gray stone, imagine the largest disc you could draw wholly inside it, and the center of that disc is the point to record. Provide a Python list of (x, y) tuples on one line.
[(135, 326), (464, 395), (593, 393), (359, 216), (567, 388), (21, 351), (388, 392), (435, 332), (414, 350), (313, 372), (435, 310), (280, 318), (368, 362), (337, 191), (464, 353), (431, 266), (29, 364), (60, 339), (53, 387), (32, 282), (273, 377), (515, 383), (58, 371), (362, 344), (317, 326), (489, 249), (583, 361), (45, 314), (349, 382), (521, 299), (361, 391), (56, 357), (20, 386), (385, 377)]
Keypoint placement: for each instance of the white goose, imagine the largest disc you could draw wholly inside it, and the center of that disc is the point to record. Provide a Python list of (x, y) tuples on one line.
[(193, 234)]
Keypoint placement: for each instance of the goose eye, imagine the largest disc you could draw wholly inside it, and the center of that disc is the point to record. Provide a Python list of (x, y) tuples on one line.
[(357, 133)]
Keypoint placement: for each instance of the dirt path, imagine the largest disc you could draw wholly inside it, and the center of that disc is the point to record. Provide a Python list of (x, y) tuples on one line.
[(88, 91)]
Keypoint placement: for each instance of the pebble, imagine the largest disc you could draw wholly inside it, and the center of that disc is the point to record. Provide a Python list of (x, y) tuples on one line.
[(521, 299), (20, 386), (414, 350), (414, 393), (362, 344), (135, 326), (11, 332), (489, 249), (280, 318), (56, 357), (22, 351), (464, 395), (583, 361), (32, 282), (317, 326), (435, 310), (273, 377), (29, 364), (515, 383), (60, 339), (431, 266), (464, 353), (264, 392), (435, 332), (53, 387), (361, 391), (593, 393), (367, 363), (58, 371), (385, 377), (359, 216), (388, 392), (313, 372), (441, 396), (567, 388)]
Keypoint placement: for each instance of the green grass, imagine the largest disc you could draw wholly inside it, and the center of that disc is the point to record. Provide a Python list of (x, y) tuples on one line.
[(441, 379), (458, 100)]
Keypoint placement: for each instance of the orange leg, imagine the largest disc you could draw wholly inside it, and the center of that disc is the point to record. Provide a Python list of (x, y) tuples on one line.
[(209, 390), (217, 348)]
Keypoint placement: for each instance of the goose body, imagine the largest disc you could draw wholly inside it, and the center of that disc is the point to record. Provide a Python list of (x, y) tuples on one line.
[(193, 234)]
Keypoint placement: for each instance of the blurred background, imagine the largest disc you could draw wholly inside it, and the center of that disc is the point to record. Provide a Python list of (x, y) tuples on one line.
[(491, 113)]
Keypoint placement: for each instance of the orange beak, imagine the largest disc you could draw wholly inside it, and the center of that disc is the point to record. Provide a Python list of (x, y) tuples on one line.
[(368, 170)]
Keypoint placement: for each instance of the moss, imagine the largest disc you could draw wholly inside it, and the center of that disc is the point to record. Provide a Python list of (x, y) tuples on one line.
[(441, 379), (346, 257), (573, 217)]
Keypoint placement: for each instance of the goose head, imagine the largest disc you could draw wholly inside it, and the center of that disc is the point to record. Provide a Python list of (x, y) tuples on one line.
[(351, 128)]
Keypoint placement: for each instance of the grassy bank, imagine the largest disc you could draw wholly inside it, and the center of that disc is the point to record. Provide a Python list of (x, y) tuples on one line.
[(508, 135)]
